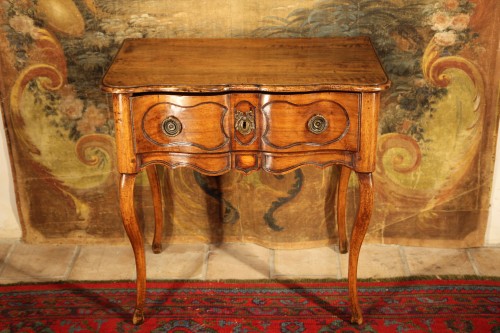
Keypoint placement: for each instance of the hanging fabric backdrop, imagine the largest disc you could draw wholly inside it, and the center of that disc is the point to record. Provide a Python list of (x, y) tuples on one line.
[(437, 128)]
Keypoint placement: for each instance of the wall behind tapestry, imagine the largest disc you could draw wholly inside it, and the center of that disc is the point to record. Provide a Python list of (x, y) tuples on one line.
[(436, 145)]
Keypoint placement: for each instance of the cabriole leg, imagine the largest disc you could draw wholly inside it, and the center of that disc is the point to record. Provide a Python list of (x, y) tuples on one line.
[(154, 183), (134, 234), (345, 172), (357, 236)]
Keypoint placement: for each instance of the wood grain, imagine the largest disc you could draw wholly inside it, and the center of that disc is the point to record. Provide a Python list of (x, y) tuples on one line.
[(358, 234), (204, 121), (134, 234), (343, 185), (267, 65), (286, 119), (246, 104), (154, 183), (127, 162)]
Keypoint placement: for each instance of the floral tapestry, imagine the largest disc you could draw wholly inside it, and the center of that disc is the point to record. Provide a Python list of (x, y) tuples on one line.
[(436, 135)]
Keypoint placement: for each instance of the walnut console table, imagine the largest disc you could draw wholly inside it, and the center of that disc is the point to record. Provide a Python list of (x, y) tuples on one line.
[(246, 104)]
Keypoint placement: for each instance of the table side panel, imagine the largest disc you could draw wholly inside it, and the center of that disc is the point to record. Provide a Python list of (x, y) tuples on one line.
[(365, 158), (126, 158)]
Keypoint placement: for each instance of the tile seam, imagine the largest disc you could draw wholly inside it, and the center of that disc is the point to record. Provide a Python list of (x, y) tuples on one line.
[(404, 259), (473, 262), (272, 268), (7, 257), (204, 270), (339, 262), (72, 262)]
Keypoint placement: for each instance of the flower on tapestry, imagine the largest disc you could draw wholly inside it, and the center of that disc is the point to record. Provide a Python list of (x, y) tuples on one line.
[(400, 33)]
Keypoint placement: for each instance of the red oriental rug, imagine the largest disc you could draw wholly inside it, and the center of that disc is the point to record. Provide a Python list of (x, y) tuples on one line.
[(271, 306)]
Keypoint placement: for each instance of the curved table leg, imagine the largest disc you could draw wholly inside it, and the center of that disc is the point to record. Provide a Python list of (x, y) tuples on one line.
[(357, 236), (134, 234), (345, 172), (154, 183)]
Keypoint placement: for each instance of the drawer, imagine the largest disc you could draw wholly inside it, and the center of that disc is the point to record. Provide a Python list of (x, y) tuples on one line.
[(175, 123), (308, 122)]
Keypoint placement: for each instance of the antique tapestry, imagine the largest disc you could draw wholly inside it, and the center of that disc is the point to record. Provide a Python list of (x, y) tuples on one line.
[(436, 142)]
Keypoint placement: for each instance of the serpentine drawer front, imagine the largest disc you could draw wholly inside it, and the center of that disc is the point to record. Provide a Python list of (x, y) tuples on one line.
[(224, 123), (298, 123), (173, 123), (216, 105)]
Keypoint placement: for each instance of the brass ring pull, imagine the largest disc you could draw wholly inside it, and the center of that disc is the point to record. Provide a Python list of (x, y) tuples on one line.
[(171, 126), (317, 124)]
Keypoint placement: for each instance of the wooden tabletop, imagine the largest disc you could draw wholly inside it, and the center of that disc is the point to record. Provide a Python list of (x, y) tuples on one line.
[(265, 65)]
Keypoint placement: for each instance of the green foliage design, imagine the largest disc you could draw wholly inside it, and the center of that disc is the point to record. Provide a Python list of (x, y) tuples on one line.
[(400, 32)]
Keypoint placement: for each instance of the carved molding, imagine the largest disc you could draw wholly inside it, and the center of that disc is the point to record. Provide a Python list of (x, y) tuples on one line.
[(224, 135), (266, 132)]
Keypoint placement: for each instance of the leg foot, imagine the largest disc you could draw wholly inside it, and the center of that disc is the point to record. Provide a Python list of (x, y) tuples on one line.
[(138, 317), (357, 319), (157, 248)]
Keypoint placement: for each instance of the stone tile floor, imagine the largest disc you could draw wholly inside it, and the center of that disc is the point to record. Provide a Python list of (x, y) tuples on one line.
[(21, 262)]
